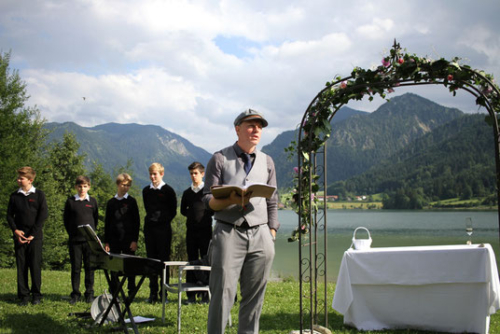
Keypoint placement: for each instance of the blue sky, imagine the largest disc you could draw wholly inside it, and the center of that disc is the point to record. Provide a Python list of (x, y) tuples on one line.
[(192, 66)]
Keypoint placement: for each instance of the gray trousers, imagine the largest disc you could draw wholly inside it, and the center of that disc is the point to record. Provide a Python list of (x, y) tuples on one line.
[(244, 254)]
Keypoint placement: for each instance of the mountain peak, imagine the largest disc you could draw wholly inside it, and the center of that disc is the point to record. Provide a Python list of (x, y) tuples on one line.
[(113, 144)]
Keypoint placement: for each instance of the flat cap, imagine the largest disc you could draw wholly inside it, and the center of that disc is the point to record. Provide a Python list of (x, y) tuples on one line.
[(248, 115)]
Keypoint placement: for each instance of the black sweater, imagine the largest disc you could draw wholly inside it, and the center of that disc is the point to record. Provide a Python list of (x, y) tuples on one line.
[(78, 213), (27, 213), (122, 221), (194, 209), (160, 205)]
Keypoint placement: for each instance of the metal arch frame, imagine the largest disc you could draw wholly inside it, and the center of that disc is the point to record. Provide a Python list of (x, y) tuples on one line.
[(313, 263)]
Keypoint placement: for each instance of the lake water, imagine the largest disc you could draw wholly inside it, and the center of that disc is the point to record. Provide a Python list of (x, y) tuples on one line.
[(388, 229)]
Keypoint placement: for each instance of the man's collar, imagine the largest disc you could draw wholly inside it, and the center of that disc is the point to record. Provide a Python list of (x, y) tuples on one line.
[(239, 151)]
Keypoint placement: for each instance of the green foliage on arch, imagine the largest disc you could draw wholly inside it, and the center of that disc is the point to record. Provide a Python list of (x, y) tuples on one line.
[(397, 69)]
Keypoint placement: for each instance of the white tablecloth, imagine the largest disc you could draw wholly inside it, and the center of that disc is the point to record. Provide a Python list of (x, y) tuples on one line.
[(443, 288)]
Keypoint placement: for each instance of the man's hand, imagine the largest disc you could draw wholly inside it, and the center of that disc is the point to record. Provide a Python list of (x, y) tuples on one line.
[(218, 204), (273, 233), (240, 200), (106, 247)]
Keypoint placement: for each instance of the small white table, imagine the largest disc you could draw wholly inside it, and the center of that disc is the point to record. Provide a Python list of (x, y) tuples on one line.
[(440, 288)]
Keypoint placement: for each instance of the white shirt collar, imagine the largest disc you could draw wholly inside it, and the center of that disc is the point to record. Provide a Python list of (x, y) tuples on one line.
[(86, 198), (26, 193), (196, 189), (120, 198), (162, 183)]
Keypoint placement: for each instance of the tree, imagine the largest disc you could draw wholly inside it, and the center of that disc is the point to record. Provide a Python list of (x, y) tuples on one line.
[(62, 165), (22, 137), (65, 164), (103, 188), (466, 193)]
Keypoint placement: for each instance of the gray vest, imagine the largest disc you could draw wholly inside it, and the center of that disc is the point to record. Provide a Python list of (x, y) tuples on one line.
[(233, 173)]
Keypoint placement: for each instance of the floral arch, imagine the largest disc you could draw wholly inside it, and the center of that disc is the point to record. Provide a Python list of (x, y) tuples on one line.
[(398, 69)]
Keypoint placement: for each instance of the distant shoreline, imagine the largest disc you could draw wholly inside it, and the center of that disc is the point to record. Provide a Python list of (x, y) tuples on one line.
[(365, 207)]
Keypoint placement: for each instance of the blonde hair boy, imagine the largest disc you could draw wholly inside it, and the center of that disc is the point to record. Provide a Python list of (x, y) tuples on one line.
[(157, 167), (123, 177)]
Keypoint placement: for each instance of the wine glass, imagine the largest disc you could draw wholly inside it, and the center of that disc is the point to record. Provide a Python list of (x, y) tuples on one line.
[(468, 229)]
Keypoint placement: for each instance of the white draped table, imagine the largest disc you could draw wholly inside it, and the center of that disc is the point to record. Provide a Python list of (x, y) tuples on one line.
[(440, 288)]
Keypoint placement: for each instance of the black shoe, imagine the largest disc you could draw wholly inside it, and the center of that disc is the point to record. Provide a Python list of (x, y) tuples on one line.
[(152, 300), (74, 300), (36, 300), (205, 300), (24, 301), (190, 300), (89, 299)]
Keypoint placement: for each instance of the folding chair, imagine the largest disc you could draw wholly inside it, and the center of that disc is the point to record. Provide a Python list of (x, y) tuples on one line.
[(181, 286)]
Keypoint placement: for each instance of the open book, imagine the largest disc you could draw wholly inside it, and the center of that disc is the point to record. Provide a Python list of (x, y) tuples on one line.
[(256, 190)]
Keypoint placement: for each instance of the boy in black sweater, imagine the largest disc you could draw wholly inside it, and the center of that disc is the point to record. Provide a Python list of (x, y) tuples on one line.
[(80, 209), (160, 203), (198, 222), (26, 213), (121, 225)]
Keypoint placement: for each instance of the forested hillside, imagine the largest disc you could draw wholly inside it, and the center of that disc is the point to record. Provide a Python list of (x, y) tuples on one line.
[(361, 141), (454, 160)]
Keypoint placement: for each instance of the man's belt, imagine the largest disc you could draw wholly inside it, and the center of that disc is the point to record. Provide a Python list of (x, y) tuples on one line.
[(243, 225)]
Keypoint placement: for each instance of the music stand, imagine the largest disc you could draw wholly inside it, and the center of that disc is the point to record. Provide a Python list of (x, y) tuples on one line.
[(115, 262)]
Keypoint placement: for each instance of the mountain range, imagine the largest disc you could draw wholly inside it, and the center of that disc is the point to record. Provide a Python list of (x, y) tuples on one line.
[(359, 142), (113, 145), (363, 140)]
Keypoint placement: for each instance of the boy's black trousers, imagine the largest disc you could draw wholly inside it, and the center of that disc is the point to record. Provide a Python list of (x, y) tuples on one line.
[(158, 240), (197, 241), (29, 258), (79, 252)]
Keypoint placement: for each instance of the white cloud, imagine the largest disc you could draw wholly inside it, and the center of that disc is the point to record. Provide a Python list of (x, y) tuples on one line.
[(140, 97), (378, 29), (157, 62)]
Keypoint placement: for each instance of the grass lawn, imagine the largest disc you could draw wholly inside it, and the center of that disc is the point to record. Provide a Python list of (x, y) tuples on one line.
[(54, 315)]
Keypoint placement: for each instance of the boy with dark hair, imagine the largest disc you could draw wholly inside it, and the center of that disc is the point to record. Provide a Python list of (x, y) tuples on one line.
[(198, 222), (26, 213), (121, 224), (160, 203), (80, 209)]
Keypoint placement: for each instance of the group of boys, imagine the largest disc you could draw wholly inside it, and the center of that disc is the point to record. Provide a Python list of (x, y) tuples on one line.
[(27, 211), (242, 248)]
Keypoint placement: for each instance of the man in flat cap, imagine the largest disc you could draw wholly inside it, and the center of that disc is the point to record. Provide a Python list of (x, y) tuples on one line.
[(243, 238)]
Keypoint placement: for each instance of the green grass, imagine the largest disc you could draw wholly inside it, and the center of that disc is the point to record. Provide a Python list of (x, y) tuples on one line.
[(54, 315)]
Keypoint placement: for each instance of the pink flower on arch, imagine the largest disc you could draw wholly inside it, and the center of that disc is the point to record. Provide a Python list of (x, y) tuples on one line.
[(385, 62), (390, 90), (343, 84), (487, 91), (296, 170), (450, 77), (401, 61)]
